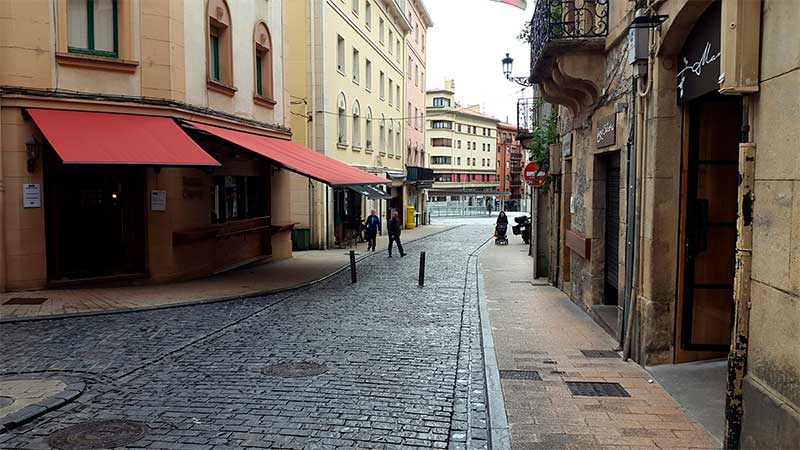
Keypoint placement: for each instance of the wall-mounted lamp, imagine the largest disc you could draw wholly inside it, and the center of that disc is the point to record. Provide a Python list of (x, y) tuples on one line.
[(34, 149)]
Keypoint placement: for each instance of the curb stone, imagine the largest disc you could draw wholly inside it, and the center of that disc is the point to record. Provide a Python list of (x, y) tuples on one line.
[(72, 390)]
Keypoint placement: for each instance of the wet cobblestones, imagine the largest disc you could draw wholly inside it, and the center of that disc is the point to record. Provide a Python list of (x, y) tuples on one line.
[(404, 364)]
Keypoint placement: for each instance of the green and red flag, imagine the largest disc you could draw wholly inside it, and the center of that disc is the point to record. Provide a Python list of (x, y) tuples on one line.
[(521, 4)]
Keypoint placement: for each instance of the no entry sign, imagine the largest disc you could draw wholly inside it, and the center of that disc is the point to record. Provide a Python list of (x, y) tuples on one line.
[(534, 174)]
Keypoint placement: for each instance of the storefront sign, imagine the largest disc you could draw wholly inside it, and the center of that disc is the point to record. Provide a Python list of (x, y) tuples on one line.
[(698, 64), (606, 131), (192, 188), (32, 195), (158, 200)]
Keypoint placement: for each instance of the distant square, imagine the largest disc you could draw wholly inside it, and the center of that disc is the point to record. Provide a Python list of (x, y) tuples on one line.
[(594, 389), (528, 375)]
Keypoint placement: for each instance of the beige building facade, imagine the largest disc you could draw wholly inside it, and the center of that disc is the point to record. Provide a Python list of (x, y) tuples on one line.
[(658, 126)]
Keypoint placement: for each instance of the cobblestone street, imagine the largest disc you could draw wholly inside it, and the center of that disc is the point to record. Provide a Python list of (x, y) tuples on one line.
[(403, 366)]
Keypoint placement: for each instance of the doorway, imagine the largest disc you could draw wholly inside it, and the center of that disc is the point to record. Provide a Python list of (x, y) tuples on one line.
[(94, 221), (612, 193), (709, 186)]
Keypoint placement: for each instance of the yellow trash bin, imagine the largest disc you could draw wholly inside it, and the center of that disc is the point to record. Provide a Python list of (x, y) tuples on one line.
[(409, 217)]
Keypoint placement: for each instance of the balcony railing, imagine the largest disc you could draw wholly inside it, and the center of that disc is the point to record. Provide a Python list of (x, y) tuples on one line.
[(516, 156), (559, 22)]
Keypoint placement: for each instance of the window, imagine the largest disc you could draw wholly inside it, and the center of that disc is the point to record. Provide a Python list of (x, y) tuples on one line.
[(368, 74), (442, 124), (442, 102), (416, 118), (397, 89), (408, 114), (238, 197), (468, 161), (356, 124), (416, 33), (356, 66), (355, 6), (458, 160), (382, 131), (399, 145), (458, 144), (220, 67), (383, 87), (441, 142), (440, 159), (380, 30), (442, 177), (398, 53), (390, 138), (408, 68), (340, 53), (263, 61), (391, 38), (342, 105), (391, 91), (368, 14), (369, 129), (92, 27), (416, 75)]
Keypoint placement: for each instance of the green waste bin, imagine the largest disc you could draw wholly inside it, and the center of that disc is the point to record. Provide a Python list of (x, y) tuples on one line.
[(301, 239)]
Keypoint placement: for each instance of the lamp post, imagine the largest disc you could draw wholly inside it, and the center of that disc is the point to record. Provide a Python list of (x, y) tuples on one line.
[(508, 63)]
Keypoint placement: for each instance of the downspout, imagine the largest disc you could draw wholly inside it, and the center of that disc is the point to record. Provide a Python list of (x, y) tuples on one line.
[(737, 358), (2, 222), (630, 232)]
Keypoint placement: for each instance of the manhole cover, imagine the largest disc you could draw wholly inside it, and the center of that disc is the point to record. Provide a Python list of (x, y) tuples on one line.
[(530, 375), (295, 370), (100, 434), (5, 401), (600, 353), (26, 301), (592, 389)]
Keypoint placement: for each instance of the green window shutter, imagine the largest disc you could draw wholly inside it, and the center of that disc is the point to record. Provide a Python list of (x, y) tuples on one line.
[(259, 80), (215, 58)]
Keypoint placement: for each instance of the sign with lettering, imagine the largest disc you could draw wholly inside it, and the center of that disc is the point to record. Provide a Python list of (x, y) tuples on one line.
[(32, 195), (158, 200), (698, 63), (606, 131)]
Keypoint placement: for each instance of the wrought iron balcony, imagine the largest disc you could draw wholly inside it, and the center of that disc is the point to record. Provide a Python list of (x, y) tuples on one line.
[(566, 24), (516, 156)]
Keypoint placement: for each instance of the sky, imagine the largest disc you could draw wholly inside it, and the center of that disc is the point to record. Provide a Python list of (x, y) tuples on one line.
[(468, 40)]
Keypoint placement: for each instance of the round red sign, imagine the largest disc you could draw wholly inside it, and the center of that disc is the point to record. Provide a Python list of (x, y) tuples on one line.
[(530, 171)]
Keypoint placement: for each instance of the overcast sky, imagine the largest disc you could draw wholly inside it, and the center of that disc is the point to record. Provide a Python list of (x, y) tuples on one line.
[(467, 42)]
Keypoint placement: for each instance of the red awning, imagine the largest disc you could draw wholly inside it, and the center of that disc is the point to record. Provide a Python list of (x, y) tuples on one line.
[(295, 157), (105, 138)]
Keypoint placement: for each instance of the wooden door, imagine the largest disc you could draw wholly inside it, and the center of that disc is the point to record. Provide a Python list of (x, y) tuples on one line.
[(708, 227)]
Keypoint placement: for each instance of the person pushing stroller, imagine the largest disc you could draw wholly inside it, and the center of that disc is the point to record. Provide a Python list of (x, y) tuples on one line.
[(501, 229)]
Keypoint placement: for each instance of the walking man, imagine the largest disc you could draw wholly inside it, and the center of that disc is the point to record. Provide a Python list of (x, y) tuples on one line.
[(373, 225), (394, 234)]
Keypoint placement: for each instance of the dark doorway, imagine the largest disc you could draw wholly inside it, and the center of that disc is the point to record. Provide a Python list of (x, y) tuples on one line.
[(94, 220), (708, 226), (612, 193)]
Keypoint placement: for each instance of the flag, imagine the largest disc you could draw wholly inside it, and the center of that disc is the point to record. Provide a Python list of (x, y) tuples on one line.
[(521, 4)]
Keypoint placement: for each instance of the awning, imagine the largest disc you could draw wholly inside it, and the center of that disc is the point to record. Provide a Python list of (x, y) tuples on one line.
[(295, 157), (395, 173), (369, 191), (105, 138)]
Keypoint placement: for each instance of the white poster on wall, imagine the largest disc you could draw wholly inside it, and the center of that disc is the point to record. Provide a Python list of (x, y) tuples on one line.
[(158, 200), (32, 195)]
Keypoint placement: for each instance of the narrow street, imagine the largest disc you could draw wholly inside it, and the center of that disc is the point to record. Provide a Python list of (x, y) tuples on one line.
[(382, 363)]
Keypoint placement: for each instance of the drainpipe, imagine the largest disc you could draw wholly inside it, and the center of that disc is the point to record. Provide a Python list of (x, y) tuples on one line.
[(2, 226), (737, 358)]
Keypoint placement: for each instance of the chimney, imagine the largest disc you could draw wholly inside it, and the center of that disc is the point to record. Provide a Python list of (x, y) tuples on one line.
[(450, 85)]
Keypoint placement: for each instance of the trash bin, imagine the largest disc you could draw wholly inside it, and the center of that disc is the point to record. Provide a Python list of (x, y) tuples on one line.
[(409, 217), (301, 239)]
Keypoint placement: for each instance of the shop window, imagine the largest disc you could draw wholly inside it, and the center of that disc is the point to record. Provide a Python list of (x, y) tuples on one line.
[(342, 106), (237, 198), (92, 27), (356, 124), (263, 62)]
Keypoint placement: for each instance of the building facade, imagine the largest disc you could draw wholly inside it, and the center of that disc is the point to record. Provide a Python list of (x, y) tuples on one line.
[(677, 202), (461, 147), (510, 161)]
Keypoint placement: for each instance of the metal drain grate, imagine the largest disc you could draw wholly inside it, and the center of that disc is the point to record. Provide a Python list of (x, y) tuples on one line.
[(101, 434), (26, 301), (593, 389), (600, 353), (294, 370), (528, 375)]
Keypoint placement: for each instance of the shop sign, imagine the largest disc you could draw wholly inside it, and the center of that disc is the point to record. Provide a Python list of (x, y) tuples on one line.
[(699, 65), (32, 195), (606, 131), (158, 200)]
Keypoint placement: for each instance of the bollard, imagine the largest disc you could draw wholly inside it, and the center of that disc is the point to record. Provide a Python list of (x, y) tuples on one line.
[(421, 269), (353, 266)]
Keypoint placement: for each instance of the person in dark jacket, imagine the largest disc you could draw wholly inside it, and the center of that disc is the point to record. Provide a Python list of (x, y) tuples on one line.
[(373, 225), (502, 218), (394, 234)]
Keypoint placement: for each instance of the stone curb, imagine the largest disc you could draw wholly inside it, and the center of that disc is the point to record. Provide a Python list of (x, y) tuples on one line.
[(496, 409), (217, 299), (73, 389)]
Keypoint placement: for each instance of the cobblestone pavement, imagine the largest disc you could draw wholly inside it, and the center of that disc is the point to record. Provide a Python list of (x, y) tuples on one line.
[(404, 364)]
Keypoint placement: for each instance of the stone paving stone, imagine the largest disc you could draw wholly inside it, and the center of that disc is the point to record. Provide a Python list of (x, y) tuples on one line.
[(404, 364)]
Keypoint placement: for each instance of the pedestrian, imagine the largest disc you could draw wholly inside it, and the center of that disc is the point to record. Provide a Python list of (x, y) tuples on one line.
[(394, 234), (373, 225), (489, 207), (502, 218)]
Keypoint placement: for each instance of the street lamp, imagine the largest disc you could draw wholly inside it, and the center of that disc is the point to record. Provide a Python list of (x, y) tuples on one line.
[(508, 62)]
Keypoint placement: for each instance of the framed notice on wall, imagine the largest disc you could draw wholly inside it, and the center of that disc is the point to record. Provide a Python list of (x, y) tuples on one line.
[(158, 200), (32, 195)]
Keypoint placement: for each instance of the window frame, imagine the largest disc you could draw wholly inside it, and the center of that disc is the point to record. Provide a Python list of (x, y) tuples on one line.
[(90, 32)]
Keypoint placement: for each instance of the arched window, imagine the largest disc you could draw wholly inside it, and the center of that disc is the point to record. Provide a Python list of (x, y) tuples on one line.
[(369, 128), (356, 124), (220, 65), (382, 131), (390, 138), (262, 49), (342, 104)]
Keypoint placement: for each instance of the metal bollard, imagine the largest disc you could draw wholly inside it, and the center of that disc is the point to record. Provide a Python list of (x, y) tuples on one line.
[(422, 269), (353, 266)]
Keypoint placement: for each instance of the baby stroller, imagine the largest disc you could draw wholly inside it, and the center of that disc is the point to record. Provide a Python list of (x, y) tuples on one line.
[(500, 231)]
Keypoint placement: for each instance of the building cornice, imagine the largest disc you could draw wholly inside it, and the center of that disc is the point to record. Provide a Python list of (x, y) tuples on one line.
[(396, 12), (423, 13)]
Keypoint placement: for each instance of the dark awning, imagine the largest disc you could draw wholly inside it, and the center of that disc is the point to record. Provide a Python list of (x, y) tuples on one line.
[(368, 191)]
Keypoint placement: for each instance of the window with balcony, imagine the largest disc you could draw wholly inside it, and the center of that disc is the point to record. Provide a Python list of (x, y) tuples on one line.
[(92, 27), (442, 124)]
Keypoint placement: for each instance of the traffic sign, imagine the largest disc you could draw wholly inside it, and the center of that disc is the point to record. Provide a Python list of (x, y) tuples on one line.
[(530, 171)]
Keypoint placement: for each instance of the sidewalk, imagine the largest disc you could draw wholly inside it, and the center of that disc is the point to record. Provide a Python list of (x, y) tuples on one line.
[(537, 328), (303, 268)]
